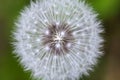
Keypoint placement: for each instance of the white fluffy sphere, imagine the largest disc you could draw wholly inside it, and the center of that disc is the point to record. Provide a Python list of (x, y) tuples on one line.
[(58, 39)]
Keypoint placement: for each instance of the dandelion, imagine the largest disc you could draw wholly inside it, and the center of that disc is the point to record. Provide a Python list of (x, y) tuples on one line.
[(58, 39)]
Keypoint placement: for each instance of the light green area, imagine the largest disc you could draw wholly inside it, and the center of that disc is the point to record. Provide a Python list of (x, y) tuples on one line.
[(106, 8)]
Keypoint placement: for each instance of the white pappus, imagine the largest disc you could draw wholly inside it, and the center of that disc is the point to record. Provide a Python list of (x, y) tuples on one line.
[(58, 39)]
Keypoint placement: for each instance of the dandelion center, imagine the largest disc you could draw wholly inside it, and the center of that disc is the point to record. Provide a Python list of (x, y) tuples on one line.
[(58, 38)]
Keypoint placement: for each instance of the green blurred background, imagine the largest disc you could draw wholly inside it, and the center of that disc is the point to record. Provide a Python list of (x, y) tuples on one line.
[(108, 67)]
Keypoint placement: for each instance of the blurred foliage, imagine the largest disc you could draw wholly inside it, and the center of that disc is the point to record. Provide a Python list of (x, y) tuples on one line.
[(10, 69), (106, 8)]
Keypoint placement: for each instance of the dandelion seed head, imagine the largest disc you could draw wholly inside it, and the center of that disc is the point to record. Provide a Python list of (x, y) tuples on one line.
[(58, 39)]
